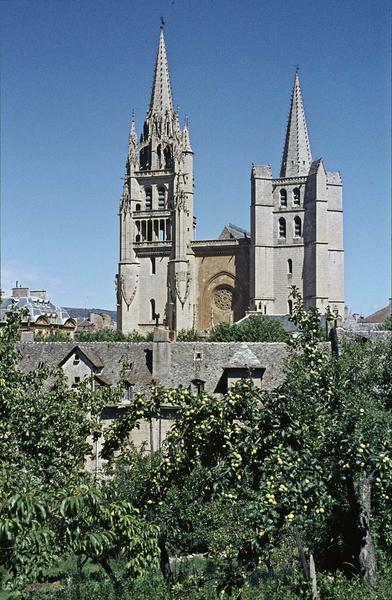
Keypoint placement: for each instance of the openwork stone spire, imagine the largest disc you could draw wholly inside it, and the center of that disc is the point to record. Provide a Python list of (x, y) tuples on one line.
[(161, 94), (297, 156), (186, 140)]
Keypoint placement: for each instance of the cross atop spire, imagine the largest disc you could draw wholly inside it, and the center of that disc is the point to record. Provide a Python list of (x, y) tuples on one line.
[(161, 95), (297, 156)]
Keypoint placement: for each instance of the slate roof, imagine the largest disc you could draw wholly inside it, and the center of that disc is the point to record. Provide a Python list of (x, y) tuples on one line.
[(188, 361), (233, 231), (110, 357), (243, 357), (36, 307)]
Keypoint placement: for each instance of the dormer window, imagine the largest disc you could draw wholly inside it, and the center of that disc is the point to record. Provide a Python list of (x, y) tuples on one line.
[(282, 228), (283, 197), (296, 197), (128, 393)]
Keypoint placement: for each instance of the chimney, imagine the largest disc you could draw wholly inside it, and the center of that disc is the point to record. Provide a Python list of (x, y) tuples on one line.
[(20, 292), (38, 294)]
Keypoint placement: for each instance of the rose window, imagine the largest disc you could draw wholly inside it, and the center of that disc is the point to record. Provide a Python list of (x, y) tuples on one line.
[(223, 299)]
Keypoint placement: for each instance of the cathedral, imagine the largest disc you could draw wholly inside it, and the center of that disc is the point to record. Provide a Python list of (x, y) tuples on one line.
[(166, 276)]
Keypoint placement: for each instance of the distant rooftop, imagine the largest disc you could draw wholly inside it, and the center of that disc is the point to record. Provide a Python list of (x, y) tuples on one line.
[(380, 315), (233, 231), (36, 304)]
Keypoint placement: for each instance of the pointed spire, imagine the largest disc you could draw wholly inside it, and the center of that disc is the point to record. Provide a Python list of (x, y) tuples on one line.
[(132, 133), (132, 143), (297, 156), (161, 95), (186, 140)]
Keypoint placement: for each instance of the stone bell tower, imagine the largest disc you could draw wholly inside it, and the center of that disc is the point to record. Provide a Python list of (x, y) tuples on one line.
[(156, 275), (297, 226)]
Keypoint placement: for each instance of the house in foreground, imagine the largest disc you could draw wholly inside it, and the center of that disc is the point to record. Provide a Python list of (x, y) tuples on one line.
[(200, 366)]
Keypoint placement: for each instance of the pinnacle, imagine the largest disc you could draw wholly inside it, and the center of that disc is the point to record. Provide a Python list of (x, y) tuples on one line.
[(161, 94), (297, 156), (186, 139)]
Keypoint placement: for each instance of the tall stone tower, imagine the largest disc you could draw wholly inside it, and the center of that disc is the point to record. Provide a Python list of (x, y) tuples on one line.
[(296, 226), (156, 274)]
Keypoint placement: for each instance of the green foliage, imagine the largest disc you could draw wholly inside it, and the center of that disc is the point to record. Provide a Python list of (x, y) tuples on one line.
[(49, 504), (101, 335), (105, 529), (254, 329), (55, 336), (108, 335), (271, 462), (199, 584), (237, 476), (386, 325), (189, 335)]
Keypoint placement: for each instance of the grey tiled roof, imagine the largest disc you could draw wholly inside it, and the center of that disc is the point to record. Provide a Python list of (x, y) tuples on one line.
[(36, 307), (233, 231), (111, 357), (206, 361)]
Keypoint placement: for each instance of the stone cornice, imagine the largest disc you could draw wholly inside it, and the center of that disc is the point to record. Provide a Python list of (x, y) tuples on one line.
[(145, 214), (214, 247), (153, 244), (283, 210), (163, 172), (289, 180), (209, 243)]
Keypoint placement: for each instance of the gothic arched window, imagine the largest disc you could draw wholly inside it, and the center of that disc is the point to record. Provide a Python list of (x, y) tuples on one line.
[(290, 307), (152, 309), (161, 198), (148, 198), (168, 157), (297, 227), (289, 267), (282, 227), (283, 197), (296, 196)]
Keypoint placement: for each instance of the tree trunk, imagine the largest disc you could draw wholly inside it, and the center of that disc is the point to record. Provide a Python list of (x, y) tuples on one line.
[(301, 552), (366, 555), (360, 501), (164, 562), (116, 582), (313, 579)]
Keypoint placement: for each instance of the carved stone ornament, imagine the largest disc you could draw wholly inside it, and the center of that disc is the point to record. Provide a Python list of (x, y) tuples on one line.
[(127, 283), (180, 200), (223, 299), (134, 155), (125, 204), (182, 285)]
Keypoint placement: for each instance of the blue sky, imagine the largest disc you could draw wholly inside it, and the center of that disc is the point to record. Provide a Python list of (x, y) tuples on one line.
[(73, 71)]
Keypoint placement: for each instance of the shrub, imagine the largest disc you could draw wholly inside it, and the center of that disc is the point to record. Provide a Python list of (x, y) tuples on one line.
[(254, 329)]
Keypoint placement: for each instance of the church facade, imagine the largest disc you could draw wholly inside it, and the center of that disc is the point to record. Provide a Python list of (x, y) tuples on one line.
[(166, 276)]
